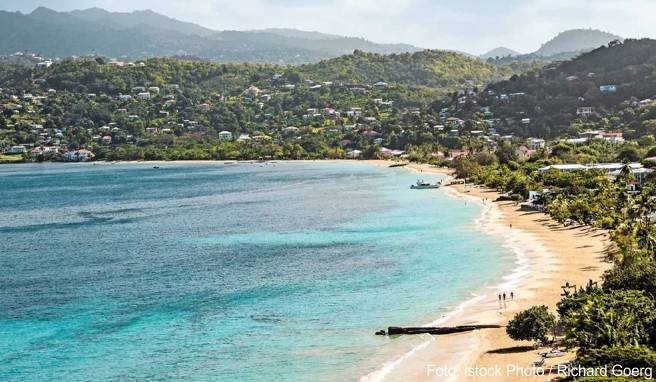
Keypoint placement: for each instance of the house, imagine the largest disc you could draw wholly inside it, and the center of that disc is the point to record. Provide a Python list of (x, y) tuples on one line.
[(17, 150), (204, 107), (106, 140), (378, 141), (586, 111), (633, 188), (151, 130), (81, 155), (572, 78), (535, 199), (354, 112), (353, 154), (225, 136), (371, 133), (526, 121), (563, 167), (124, 97), (536, 143), (358, 90), (252, 91), (244, 137), (153, 89), (345, 143), (613, 137), (329, 113), (380, 84), (391, 153), (144, 95), (524, 152), (611, 169), (265, 97), (608, 88), (44, 65)]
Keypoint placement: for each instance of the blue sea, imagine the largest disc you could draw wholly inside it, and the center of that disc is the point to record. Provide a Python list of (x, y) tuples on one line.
[(226, 272)]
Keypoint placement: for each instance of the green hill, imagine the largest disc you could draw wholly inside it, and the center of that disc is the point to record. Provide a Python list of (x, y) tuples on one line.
[(431, 68), (551, 96)]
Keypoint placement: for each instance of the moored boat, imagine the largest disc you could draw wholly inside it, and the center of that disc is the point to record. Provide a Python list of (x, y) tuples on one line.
[(420, 185)]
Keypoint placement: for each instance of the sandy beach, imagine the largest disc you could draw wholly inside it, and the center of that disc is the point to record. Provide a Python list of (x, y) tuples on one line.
[(547, 256)]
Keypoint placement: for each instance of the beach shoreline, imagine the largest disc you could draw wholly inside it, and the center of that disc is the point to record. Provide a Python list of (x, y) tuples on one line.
[(546, 255)]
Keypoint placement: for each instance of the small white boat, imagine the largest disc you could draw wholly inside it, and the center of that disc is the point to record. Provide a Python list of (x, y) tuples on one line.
[(420, 185), (553, 354)]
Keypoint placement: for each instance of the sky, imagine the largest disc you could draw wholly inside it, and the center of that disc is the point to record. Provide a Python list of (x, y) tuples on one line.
[(473, 26)]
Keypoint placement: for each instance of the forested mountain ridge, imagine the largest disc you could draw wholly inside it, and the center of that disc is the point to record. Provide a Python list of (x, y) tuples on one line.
[(145, 34)]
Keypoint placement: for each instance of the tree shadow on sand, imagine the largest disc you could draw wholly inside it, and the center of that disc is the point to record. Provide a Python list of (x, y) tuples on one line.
[(514, 349)]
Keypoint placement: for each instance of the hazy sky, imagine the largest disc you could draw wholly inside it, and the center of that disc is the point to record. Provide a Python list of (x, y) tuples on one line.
[(473, 26)]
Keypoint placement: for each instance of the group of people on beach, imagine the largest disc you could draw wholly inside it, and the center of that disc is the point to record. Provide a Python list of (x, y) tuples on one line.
[(503, 297)]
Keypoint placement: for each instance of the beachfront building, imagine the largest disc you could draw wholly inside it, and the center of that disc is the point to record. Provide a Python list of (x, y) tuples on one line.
[(611, 169), (354, 154)]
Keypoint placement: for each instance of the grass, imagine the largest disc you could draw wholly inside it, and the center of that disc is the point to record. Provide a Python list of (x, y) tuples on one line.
[(11, 158)]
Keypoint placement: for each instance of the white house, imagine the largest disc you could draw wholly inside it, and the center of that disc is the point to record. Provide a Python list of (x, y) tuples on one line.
[(144, 95), (608, 88), (17, 150), (225, 136), (586, 111), (353, 154), (536, 143), (124, 97)]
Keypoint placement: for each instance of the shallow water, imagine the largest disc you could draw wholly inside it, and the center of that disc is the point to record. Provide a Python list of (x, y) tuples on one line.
[(208, 271)]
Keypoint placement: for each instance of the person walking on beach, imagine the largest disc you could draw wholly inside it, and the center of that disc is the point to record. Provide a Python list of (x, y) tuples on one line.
[(512, 295), (499, 297), (504, 297)]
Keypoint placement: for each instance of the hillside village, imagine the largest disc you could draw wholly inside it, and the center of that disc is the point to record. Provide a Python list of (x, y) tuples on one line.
[(86, 109)]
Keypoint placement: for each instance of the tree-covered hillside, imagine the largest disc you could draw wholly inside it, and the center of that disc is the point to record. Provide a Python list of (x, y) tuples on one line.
[(550, 97), (433, 68)]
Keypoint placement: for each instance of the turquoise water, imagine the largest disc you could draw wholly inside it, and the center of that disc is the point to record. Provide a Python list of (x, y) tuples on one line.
[(240, 272)]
